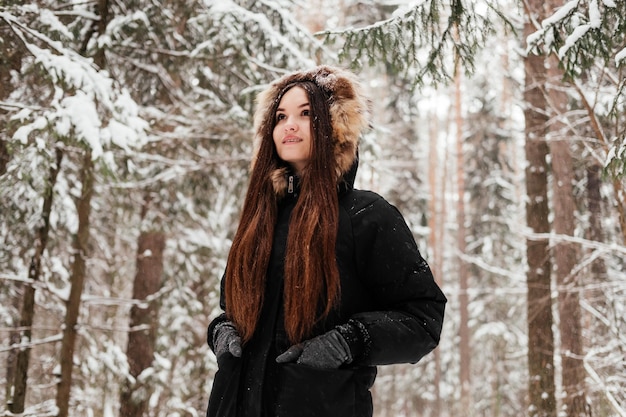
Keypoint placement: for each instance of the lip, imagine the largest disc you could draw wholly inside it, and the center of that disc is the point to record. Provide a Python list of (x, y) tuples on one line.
[(291, 139)]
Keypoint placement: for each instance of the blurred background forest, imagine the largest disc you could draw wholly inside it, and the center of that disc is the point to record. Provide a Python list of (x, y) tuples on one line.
[(125, 138)]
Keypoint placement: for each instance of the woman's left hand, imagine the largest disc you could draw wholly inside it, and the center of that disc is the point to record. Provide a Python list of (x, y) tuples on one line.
[(327, 351)]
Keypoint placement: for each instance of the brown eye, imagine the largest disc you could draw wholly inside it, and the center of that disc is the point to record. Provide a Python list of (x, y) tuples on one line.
[(280, 117), (306, 112)]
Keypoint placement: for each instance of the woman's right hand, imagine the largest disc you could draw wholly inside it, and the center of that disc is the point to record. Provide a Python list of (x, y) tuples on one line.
[(226, 340)]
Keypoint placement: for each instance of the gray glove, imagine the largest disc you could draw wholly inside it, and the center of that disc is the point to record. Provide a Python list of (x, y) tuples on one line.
[(327, 351), (226, 340)]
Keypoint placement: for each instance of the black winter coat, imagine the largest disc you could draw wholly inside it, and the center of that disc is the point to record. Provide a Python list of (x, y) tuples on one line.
[(386, 286)]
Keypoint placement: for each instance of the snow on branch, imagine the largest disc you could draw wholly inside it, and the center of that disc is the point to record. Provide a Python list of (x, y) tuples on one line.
[(620, 57), (615, 404), (587, 37), (574, 23), (231, 16), (586, 243), (86, 103), (30, 344), (595, 22)]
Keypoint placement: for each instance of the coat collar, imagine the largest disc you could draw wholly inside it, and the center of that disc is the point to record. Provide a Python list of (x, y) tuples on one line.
[(346, 184)]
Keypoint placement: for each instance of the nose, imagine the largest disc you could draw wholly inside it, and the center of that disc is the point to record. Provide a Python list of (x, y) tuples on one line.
[(290, 126)]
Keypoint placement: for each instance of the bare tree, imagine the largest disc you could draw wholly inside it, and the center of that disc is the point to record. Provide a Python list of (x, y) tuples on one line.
[(464, 331), (595, 232), (18, 385), (78, 273), (541, 389), (10, 59), (143, 321), (436, 219), (566, 252)]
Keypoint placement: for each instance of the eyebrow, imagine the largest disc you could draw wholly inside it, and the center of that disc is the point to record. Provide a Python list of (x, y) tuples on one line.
[(300, 106)]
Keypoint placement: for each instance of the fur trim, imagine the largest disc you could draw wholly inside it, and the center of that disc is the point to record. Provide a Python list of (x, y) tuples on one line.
[(349, 112)]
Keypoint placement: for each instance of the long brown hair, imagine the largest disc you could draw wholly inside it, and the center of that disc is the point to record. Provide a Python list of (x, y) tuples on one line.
[(311, 276)]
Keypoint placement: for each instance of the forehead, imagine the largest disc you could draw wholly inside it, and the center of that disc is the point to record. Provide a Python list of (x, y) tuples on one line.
[(295, 96)]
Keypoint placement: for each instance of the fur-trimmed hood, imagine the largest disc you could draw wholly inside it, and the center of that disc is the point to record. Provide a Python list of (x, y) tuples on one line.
[(349, 112)]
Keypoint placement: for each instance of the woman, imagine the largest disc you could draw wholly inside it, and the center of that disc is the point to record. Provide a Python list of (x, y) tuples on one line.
[(323, 282)]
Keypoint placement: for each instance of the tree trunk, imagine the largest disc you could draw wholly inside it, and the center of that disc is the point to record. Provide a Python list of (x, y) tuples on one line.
[(10, 60), (619, 187), (620, 195), (566, 253), (14, 339), (434, 237), (11, 54), (541, 389), (83, 208), (596, 233), (18, 383), (4, 153), (144, 322), (464, 331)]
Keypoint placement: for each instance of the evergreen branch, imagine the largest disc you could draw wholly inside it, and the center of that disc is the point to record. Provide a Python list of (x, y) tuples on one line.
[(404, 47)]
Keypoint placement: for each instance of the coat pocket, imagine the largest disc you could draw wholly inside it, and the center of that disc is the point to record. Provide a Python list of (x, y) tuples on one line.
[(309, 392)]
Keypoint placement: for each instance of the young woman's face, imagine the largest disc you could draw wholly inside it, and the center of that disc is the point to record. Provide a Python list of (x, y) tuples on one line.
[(292, 133)]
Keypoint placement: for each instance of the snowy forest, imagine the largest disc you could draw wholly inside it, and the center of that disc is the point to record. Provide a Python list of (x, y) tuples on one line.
[(499, 131)]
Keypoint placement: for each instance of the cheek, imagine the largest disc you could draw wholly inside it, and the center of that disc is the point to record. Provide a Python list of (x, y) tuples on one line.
[(305, 129), (275, 136), (309, 132)]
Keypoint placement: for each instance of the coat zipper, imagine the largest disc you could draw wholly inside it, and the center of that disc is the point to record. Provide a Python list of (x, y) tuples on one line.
[(290, 186)]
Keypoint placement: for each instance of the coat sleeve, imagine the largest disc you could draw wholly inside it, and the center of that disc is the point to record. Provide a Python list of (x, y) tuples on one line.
[(219, 319), (407, 316)]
